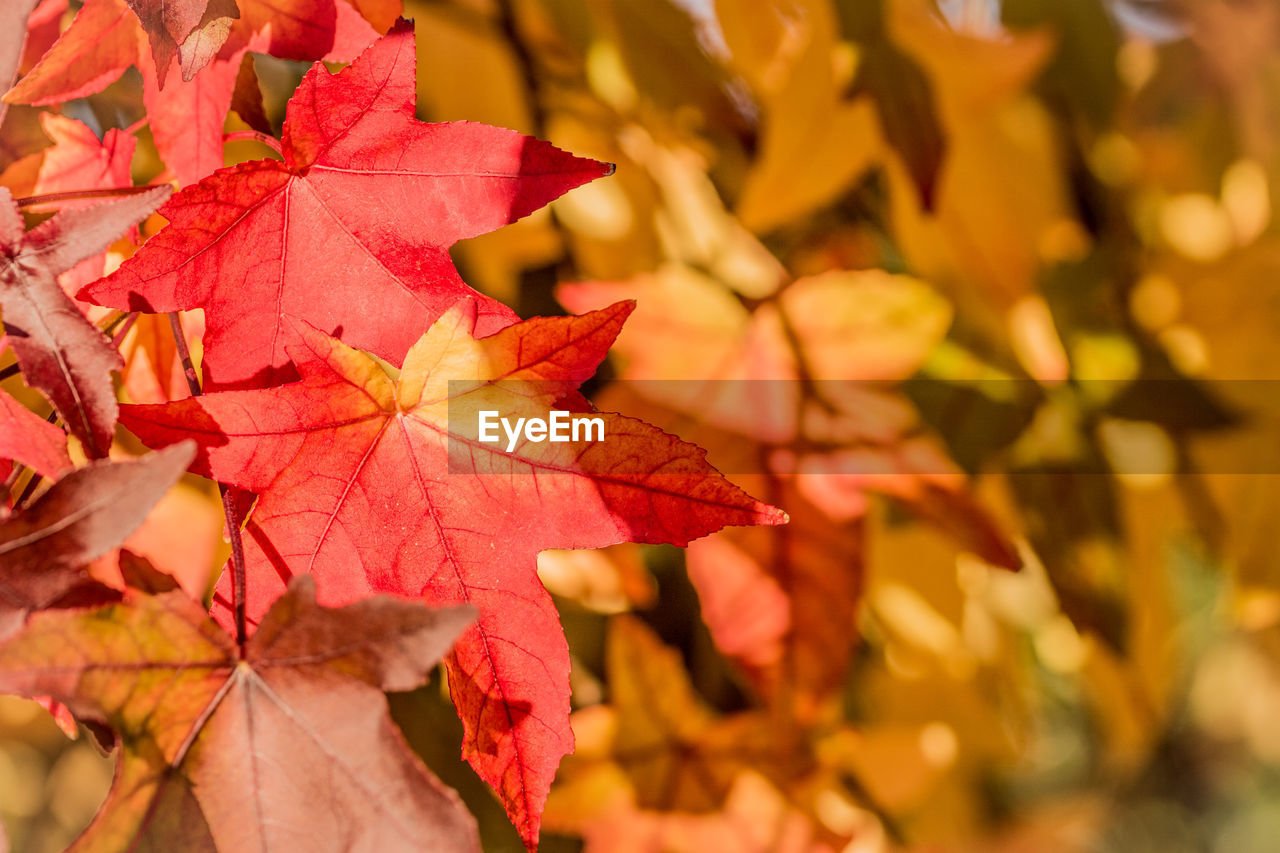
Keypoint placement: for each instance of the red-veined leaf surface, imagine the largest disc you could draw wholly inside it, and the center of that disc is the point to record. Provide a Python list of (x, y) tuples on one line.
[(59, 351), (77, 161), (374, 485), (351, 232), (100, 44), (187, 116), (44, 25), (187, 102)]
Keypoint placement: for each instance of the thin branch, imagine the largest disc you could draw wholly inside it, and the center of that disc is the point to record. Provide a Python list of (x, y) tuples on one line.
[(228, 497)]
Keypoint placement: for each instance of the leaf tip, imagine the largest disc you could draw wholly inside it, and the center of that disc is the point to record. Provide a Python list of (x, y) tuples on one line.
[(184, 451), (620, 310)]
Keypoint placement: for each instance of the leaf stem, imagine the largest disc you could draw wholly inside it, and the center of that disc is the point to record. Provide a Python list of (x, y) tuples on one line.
[(11, 370), (184, 354), (112, 320), (36, 476), (228, 497), (80, 195), (254, 136), (12, 479), (118, 338), (31, 487)]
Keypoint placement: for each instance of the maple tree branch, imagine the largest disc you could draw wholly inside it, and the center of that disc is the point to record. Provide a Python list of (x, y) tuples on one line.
[(228, 497), (79, 195), (11, 370)]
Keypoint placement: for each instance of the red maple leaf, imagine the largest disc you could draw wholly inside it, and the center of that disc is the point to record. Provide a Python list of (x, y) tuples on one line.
[(77, 161), (285, 744), (194, 30), (13, 36), (187, 116), (27, 438), (377, 485), (351, 232), (44, 548), (103, 39), (186, 109), (100, 44), (60, 352), (43, 28)]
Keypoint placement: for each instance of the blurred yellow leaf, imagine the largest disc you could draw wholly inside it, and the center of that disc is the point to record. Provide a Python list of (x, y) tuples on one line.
[(814, 143)]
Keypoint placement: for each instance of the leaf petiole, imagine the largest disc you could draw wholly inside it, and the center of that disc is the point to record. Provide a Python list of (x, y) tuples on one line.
[(125, 322), (228, 497), (80, 195), (254, 136)]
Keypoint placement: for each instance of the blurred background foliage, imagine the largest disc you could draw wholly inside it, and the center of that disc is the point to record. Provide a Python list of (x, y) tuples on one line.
[(1013, 270)]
